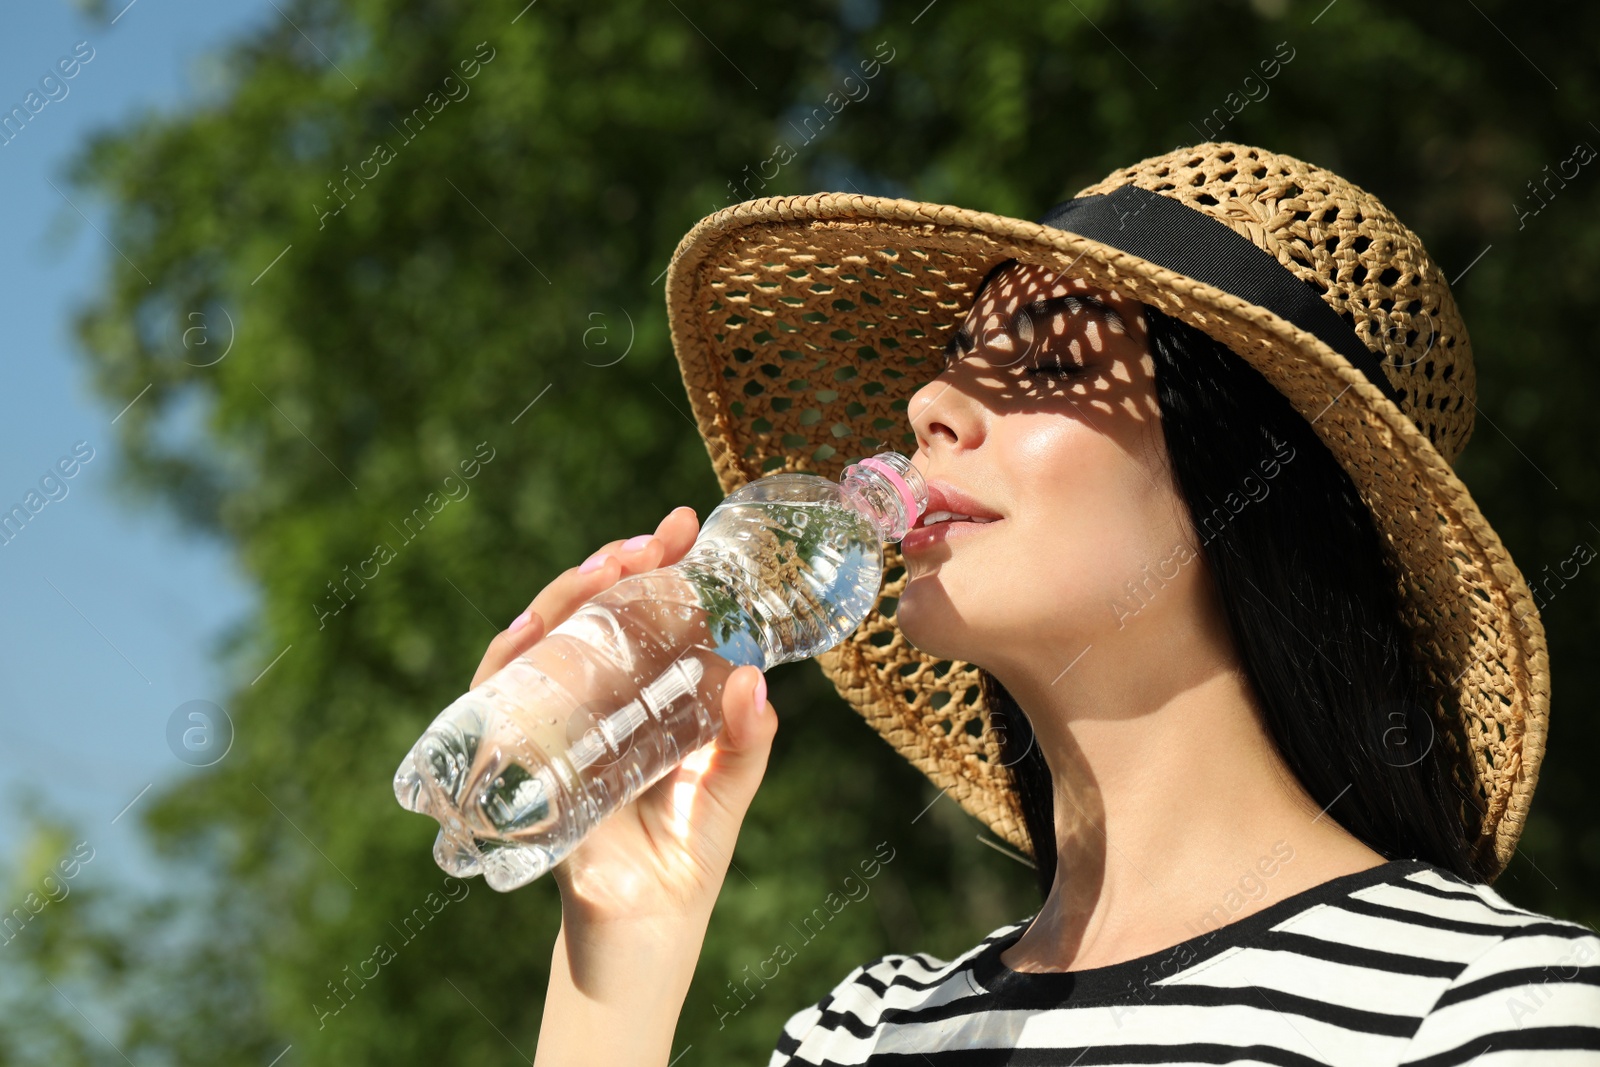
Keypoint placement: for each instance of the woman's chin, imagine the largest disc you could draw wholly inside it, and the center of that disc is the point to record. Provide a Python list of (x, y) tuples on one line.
[(924, 626)]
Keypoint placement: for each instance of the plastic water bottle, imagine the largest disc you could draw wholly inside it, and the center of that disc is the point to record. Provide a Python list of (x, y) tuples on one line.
[(521, 768)]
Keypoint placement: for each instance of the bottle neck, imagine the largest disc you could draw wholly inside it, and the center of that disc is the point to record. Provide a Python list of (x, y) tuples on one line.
[(889, 491)]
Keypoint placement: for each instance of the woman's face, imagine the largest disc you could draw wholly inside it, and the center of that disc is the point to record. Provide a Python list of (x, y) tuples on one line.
[(1046, 415)]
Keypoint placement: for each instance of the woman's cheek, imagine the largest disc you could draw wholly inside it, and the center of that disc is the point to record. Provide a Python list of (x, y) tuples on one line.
[(1103, 527)]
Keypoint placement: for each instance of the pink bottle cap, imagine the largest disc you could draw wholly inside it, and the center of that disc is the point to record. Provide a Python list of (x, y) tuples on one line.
[(898, 482)]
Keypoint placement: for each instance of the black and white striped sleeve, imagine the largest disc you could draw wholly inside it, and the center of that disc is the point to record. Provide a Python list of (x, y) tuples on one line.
[(826, 1013), (1532, 998)]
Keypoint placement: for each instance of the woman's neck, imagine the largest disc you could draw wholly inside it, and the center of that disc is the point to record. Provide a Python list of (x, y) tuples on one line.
[(1171, 806)]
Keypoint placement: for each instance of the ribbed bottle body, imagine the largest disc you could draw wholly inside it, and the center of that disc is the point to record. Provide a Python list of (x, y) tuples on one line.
[(521, 768)]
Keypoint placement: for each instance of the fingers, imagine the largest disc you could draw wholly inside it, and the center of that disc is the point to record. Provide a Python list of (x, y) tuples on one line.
[(677, 533), (571, 589), (748, 726), (575, 586), (510, 643), (749, 722)]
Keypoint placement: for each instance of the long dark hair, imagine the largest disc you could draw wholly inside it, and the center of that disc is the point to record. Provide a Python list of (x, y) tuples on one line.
[(1314, 611)]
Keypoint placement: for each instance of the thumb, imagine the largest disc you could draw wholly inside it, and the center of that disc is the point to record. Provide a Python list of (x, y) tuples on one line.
[(749, 722), (748, 726)]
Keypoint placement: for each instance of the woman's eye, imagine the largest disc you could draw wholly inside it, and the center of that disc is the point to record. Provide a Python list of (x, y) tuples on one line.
[(1054, 369)]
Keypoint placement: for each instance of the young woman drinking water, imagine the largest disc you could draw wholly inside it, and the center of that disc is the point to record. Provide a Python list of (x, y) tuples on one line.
[(1253, 682)]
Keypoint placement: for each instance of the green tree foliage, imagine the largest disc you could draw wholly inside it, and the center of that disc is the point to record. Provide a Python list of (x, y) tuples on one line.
[(468, 294)]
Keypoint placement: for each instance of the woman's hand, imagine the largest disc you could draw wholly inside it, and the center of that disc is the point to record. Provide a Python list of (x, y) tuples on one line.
[(656, 866)]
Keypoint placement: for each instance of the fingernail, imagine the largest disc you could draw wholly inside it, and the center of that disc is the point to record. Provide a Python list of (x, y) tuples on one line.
[(633, 544), (594, 563), (761, 694), (519, 622)]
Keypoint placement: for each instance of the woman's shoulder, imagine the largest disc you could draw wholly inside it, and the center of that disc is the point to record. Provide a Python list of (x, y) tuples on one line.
[(1520, 979), (916, 970), (1432, 896), (1407, 955), (857, 1003), (1449, 926)]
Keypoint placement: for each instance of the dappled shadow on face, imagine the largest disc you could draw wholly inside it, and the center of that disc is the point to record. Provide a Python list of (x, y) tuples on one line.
[(1032, 336)]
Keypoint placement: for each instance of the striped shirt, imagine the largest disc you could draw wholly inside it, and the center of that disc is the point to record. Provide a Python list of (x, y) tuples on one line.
[(1400, 964)]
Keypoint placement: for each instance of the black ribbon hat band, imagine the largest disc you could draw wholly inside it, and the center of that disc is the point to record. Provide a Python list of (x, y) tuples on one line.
[(1171, 234)]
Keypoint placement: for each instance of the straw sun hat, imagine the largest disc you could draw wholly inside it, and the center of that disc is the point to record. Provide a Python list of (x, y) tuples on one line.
[(803, 324)]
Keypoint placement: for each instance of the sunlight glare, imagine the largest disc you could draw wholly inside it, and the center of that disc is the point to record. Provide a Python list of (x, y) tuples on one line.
[(691, 770)]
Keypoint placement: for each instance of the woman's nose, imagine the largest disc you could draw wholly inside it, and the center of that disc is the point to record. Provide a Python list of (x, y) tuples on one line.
[(940, 411)]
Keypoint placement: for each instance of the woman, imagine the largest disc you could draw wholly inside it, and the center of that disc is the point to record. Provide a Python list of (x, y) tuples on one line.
[(1164, 495)]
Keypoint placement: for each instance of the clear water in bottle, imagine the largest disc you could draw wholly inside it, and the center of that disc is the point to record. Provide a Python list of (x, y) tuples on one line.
[(518, 770)]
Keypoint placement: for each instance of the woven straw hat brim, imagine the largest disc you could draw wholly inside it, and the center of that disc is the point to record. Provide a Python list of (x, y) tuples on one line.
[(803, 324)]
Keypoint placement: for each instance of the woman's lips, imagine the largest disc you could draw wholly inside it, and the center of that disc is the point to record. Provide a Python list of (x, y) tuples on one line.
[(922, 537)]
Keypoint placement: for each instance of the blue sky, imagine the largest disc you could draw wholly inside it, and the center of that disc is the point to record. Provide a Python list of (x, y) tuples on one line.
[(111, 612)]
